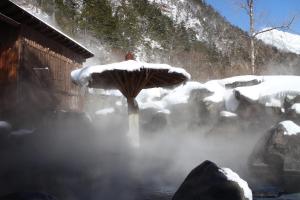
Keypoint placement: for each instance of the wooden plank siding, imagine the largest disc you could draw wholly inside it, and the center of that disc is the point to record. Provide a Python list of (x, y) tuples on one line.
[(9, 62), (46, 78), (35, 65)]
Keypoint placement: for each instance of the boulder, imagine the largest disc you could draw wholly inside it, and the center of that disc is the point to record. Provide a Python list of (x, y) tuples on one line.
[(209, 182), (276, 157), (153, 121)]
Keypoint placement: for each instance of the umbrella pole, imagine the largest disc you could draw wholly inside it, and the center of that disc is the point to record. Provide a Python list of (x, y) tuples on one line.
[(133, 122)]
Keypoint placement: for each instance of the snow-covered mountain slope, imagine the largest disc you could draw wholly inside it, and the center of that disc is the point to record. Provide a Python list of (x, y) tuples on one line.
[(282, 40)]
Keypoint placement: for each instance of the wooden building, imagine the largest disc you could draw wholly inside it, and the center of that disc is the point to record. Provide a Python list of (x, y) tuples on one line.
[(35, 64)]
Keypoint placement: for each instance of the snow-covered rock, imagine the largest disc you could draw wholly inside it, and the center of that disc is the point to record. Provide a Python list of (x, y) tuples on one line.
[(5, 127), (282, 40), (208, 181), (290, 127), (232, 176), (272, 90), (296, 108), (276, 156)]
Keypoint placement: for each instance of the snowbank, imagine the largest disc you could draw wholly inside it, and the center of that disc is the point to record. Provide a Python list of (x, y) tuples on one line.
[(232, 176), (272, 90), (290, 127), (296, 108)]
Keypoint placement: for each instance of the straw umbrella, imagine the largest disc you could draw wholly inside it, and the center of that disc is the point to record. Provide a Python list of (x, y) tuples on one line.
[(130, 77)]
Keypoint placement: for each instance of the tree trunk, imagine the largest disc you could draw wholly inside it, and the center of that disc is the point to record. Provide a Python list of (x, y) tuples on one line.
[(252, 36)]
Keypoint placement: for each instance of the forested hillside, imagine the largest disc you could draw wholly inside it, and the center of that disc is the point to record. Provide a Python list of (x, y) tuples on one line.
[(186, 33)]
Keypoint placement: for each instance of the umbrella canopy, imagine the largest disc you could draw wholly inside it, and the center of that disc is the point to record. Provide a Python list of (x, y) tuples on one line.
[(130, 77)]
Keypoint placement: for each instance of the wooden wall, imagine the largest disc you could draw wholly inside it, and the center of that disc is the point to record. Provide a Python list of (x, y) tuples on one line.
[(9, 58), (35, 75), (45, 78)]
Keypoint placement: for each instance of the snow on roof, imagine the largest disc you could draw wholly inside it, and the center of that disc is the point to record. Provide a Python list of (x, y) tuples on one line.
[(83, 76), (232, 176), (290, 127), (282, 40), (272, 90), (44, 18)]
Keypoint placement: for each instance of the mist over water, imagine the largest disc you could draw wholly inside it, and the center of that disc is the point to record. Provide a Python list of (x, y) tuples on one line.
[(73, 158)]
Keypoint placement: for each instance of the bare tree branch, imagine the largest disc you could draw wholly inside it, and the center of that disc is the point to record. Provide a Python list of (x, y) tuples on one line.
[(285, 26)]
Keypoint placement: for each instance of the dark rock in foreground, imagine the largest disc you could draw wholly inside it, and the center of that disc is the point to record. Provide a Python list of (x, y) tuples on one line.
[(208, 182)]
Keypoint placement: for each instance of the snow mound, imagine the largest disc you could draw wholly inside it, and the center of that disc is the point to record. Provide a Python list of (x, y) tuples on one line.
[(296, 107), (282, 40), (228, 114), (290, 127), (160, 98), (232, 176), (272, 90)]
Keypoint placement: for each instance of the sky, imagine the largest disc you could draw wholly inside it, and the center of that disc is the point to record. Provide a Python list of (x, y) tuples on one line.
[(267, 13)]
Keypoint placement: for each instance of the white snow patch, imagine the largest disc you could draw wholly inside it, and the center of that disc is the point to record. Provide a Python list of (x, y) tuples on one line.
[(152, 43), (22, 132), (296, 107), (282, 40), (105, 111), (116, 93), (5, 125), (290, 127), (181, 11), (232, 176), (272, 90), (228, 114)]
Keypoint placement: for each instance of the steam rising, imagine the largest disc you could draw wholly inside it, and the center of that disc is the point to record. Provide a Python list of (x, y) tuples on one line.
[(72, 158)]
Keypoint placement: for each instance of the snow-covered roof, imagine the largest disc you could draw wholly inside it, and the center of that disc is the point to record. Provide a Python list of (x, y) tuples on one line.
[(232, 176), (39, 24), (83, 75), (290, 127)]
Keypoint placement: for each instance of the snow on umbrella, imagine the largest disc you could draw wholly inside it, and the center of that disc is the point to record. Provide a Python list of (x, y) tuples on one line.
[(130, 77)]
